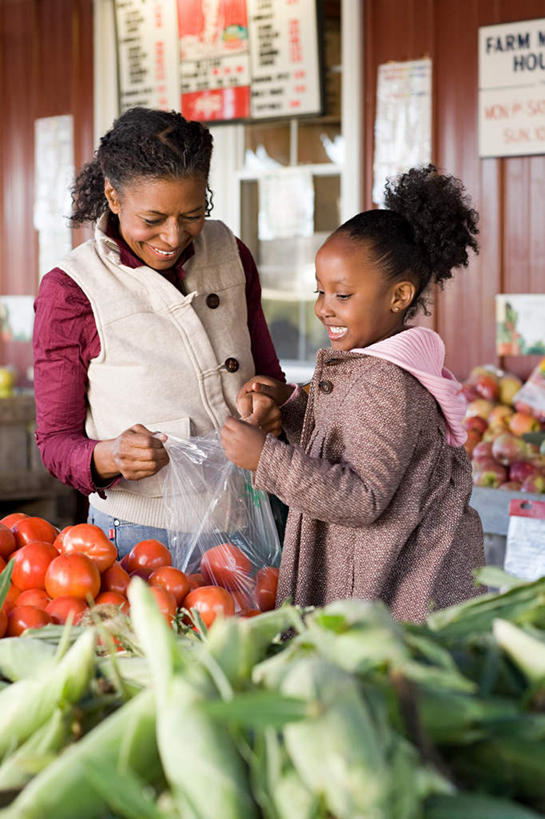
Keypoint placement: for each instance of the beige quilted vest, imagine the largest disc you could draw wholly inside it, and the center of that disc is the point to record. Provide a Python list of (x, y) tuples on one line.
[(163, 354)]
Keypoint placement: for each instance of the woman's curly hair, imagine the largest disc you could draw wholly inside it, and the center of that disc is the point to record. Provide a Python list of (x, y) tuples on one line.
[(425, 233), (143, 142)]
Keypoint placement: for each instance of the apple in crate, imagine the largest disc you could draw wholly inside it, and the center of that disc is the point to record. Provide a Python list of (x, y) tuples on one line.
[(510, 486), (480, 407), (486, 383), (534, 483), (521, 470), (507, 449), (490, 474), (521, 422), (475, 422), (509, 386), (482, 451)]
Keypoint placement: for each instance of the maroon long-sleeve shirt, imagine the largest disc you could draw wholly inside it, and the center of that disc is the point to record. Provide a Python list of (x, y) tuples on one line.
[(65, 341)]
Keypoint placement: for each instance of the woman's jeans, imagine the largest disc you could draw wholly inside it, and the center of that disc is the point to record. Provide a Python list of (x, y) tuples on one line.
[(125, 535)]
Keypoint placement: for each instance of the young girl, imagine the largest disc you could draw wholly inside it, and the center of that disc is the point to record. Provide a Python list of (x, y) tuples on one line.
[(375, 474)]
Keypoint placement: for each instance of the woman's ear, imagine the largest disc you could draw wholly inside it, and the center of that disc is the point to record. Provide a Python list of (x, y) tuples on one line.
[(111, 196), (402, 296)]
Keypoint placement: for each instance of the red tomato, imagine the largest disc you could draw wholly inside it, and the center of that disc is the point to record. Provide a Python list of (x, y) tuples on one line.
[(266, 584), (22, 617), (166, 602), (243, 599), (90, 540), (3, 622), (59, 540), (7, 541), (195, 580), (124, 563), (114, 599), (9, 520), (30, 564), (225, 565), (249, 612), (34, 597), (115, 579), (59, 609), (146, 556), (171, 579), (73, 574), (28, 529), (11, 597), (210, 601)]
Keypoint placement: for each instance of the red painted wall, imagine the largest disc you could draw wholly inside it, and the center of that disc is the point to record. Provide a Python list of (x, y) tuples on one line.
[(508, 193)]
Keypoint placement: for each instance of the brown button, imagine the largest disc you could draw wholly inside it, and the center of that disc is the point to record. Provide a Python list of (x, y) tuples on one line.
[(212, 301), (325, 386), (231, 365)]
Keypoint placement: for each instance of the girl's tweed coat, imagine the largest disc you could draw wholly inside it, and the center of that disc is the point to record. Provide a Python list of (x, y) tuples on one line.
[(379, 502)]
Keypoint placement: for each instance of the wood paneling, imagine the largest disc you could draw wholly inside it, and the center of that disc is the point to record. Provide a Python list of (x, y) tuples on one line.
[(46, 69), (508, 193)]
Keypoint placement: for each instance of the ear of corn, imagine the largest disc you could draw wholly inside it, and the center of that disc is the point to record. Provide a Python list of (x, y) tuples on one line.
[(63, 790), (475, 806), (201, 763), (27, 704), (526, 651), (37, 752), (20, 658)]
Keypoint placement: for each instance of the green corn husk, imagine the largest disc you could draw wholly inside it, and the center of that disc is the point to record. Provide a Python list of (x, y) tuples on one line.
[(27, 704), (467, 619), (24, 657), (525, 650), (5, 580), (340, 753), (201, 762), (37, 752), (125, 740), (475, 806)]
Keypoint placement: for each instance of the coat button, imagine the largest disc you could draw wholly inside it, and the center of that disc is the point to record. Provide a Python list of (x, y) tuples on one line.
[(212, 301), (325, 386), (231, 365)]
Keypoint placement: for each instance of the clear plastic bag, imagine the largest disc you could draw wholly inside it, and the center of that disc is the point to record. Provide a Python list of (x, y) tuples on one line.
[(531, 396), (218, 525)]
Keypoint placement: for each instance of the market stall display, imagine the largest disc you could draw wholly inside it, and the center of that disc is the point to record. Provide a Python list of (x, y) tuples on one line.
[(351, 714)]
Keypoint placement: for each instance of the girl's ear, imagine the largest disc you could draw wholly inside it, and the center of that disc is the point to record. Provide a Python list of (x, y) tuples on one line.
[(402, 296), (111, 196)]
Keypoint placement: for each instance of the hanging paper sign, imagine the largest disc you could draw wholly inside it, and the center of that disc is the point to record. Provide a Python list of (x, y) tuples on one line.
[(511, 89), (147, 53), (403, 120)]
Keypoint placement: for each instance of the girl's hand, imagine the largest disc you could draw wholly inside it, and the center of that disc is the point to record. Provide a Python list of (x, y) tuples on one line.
[(135, 454), (242, 443), (257, 398)]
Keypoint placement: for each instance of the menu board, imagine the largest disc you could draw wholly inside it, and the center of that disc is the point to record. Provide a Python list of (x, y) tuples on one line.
[(220, 60)]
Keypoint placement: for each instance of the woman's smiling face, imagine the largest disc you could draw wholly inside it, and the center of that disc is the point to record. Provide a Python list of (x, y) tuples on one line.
[(158, 218), (355, 303)]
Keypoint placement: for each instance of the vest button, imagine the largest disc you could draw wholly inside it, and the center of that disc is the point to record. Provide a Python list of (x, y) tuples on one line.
[(231, 365), (212, 301), (325, 386)]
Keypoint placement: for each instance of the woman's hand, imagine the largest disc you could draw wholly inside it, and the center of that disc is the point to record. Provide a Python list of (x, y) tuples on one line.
[(135, 454), (258, 402), (242, 443)]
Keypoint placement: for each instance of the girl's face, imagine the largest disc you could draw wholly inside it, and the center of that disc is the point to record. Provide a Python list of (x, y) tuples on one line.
[(355, 304), (158, 218)]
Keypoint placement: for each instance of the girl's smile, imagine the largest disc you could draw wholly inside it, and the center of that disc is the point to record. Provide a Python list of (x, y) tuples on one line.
[(355, 303)]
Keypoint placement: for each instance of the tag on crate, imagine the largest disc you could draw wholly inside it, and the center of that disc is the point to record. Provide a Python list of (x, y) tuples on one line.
[(525, 548)]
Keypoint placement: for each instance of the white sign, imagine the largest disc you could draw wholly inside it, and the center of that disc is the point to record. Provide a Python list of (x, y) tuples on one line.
[(403, 121), (512, 89), (147, 53), (286, 204)]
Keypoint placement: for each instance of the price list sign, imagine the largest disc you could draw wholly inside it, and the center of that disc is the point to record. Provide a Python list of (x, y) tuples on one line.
[(147, 53), (220, 60)]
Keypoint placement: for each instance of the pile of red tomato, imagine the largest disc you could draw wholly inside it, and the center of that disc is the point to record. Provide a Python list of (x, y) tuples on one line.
[(58, 573)]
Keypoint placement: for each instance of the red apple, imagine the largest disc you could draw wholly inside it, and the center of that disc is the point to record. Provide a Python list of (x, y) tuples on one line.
[(482, 450), (534, 483), (521, 422), (474, 422), (473, 438), (490, 474), (469, 392), (487, 386), (521, 470), (507, 449)]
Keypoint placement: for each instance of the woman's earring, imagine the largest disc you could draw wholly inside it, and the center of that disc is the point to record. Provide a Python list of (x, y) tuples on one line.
[(395, 309)]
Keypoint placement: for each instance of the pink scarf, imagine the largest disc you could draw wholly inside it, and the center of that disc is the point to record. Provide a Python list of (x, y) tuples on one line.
[(421, 352)]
